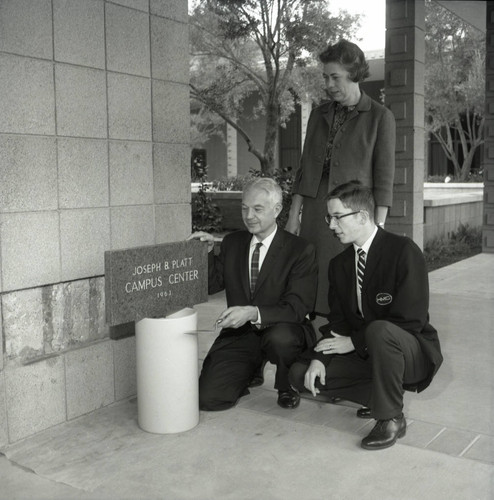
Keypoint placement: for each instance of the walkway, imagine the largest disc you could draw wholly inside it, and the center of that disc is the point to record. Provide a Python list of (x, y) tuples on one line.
[(259, 451)]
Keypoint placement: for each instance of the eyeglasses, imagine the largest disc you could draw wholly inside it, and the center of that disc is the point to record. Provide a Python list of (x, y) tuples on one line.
[(336, 218)]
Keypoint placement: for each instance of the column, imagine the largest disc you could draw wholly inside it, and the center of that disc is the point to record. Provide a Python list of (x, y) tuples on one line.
[(404, 91), (488, 159)]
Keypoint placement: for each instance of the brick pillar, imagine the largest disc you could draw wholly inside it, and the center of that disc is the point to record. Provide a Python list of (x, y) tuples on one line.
[(404, 91), (488, 160)]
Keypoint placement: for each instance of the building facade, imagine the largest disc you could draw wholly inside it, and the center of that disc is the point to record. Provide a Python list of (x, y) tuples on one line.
[(94, 156)]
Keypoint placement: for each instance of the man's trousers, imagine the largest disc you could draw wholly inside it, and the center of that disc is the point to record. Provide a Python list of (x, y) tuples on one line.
[(394, 360), (235, 356)]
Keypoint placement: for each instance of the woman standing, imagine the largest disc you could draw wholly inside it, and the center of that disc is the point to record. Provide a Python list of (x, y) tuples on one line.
[(350, 137)]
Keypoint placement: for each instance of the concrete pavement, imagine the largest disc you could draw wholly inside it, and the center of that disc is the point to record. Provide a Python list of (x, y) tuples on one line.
[(260, 451)]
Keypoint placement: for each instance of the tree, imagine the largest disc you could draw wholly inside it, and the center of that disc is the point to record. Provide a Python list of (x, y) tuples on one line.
[(204, 124), (263, 49), (454, 85)]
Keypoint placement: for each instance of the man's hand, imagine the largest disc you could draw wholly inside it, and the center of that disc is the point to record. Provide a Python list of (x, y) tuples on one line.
[(203, 236), (316, 369), (237, 316), (337, 345)]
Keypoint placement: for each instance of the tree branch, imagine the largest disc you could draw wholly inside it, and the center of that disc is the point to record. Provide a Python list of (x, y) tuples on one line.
[(240, 130)]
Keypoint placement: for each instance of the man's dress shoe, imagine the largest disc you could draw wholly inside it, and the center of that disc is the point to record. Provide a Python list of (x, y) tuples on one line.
[(385, 433), (288, 399), (364, 412)]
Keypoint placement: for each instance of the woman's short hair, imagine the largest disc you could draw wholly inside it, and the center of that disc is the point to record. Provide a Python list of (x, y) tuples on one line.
[(350, 56), (266, 184), (354, 195)]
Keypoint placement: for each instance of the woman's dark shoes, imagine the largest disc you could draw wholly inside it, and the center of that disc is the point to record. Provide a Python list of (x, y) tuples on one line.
[(289, 399), (364, 412), (258, 378), (385, 433)]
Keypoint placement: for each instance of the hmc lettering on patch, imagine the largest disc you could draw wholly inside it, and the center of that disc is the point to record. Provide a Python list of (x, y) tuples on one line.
[(383, 299)]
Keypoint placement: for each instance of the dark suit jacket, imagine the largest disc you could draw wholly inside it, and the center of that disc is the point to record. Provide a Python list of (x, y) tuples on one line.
[(286, 287), (364, 149), (395, 289)]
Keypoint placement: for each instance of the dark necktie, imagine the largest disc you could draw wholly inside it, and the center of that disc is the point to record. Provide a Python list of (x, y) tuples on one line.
[(360, 268), (254, 268)]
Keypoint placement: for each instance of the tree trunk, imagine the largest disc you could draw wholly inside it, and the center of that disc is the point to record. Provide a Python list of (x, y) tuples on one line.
[(270, 138), (461, 170), (448, 147), (467, 165)]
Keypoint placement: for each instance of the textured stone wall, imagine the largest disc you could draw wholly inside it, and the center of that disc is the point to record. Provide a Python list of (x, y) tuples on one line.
[(94, 155), (43, 321)]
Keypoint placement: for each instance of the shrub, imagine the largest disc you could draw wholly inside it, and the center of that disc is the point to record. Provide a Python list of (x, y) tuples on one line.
[(473, 176), (470, 236), (231, 184), (283, 176), (206, 215), (435, 178), (442, 251)]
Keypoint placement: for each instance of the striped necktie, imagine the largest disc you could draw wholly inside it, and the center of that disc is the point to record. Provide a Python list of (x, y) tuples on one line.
[(360, 268), (254, 267)]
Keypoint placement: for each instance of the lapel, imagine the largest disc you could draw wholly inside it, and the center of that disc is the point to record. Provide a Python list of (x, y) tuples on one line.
[(328, 113), (244, 259), (364, 104), (269, 260), (348, 268), (374, 256)]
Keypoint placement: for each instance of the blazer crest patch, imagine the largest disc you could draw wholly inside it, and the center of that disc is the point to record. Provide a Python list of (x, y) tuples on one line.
[(383, 299)]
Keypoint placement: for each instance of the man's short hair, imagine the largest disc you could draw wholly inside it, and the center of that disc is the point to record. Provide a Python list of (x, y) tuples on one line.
[(350, 56), (354, 195), (266, 184)]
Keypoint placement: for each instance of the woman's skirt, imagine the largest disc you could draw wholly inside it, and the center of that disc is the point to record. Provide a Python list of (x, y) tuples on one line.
[(314, 229)]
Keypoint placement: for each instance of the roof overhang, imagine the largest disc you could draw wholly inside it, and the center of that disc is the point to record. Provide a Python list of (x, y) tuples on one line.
[(472, 12)]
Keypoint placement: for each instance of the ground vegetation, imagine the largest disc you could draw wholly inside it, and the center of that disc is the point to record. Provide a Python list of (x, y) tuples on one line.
[(465, 242)]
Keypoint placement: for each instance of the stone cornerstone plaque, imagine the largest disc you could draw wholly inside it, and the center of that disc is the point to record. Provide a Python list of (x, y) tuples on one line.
[(153, 281)]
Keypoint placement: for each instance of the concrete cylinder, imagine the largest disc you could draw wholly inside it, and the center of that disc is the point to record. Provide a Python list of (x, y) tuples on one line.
[(167, 373)]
